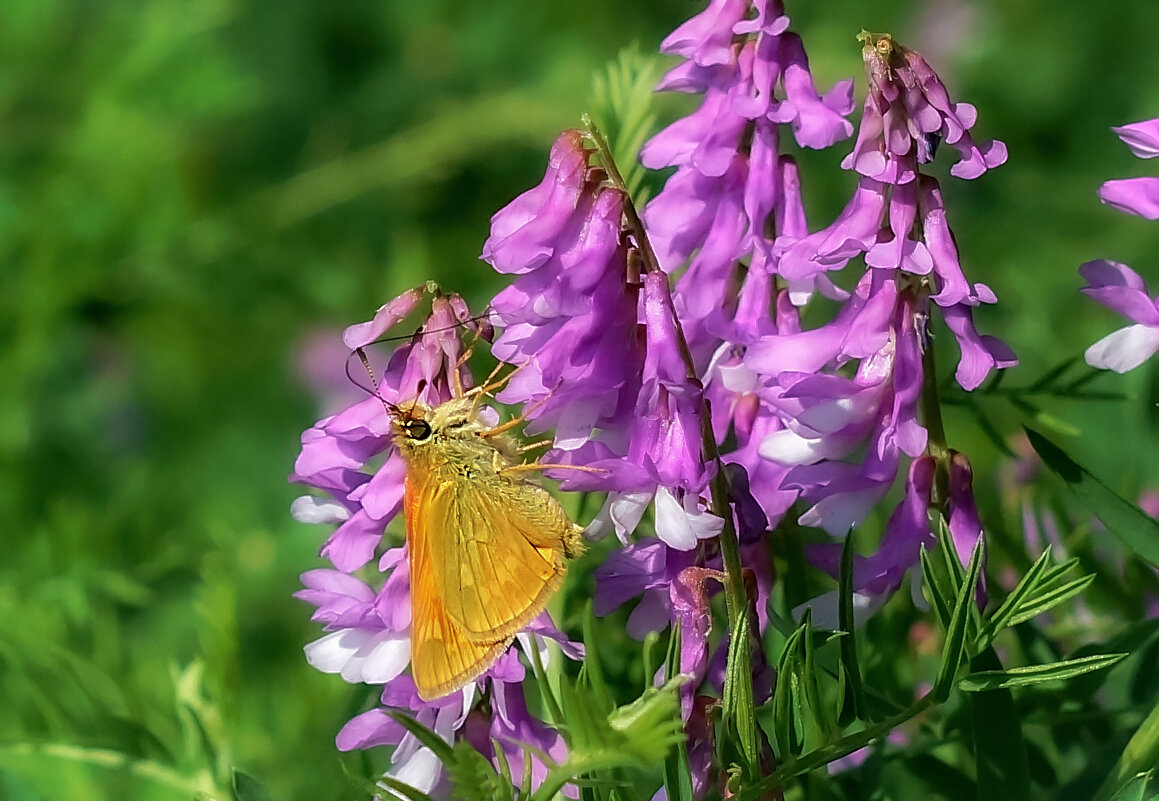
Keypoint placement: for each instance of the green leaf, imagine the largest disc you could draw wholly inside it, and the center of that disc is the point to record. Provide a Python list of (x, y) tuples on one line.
[(1001, 767), (437, 744), (853, 695), (640, 733), (404, 789), (677, 770), (1032, 607), (947, 551), (622, 107), (788, 727), (739, 705), (938, 588), (1131, 525), (592, 671), (1135, 788), (1003, 614), (955, 646), (474, 778), (247, 788), (810, 683), (1141, 754), (1036, 674)]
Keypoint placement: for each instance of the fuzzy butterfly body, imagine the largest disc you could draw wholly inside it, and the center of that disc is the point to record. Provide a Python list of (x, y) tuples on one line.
[(488, 546)]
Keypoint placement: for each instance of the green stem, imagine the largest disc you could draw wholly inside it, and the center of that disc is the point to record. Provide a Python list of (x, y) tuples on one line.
[(931, 414), (736, 599), (843, 747)]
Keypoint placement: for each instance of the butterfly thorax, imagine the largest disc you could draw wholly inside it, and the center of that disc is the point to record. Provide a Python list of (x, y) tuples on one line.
[(451, 436)]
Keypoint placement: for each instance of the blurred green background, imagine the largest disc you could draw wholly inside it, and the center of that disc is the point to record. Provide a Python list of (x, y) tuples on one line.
[(195, 193)]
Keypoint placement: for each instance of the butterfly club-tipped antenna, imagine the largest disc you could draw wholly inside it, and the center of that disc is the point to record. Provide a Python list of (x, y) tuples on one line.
[(393, 410)]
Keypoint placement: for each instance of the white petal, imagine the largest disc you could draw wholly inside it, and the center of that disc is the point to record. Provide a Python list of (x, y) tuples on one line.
[(330, 653), (683, 526), (1124, 349), (308, 509), (789, 448), (387, 658), (420, 771)]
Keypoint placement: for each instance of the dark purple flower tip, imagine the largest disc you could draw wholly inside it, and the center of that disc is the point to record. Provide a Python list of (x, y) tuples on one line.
[(387, 316), (524, 232), (880, 574), (907, 112), (965, 525)]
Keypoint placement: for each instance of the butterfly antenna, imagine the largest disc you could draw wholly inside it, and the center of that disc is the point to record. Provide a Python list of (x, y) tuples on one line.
[(391, 409)]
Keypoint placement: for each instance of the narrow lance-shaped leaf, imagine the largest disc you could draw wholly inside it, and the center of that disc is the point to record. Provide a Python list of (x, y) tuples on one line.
[(739, 704), (786, 725), (854, 699), (1002, 615), (955, 647), (1032, 607), (1036, 674), (940, 595), (677, 770), (1129, 523)]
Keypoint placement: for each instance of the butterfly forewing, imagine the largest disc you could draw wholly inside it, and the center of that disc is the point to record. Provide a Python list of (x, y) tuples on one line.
[(442, 659)]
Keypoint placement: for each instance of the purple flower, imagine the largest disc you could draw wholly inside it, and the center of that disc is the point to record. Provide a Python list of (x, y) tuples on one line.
[(336, 449), (349, 456), (907, 112), (1120, 289), (878, 576), (1136, 195), (368, 641), (732, 192), (828, 417)]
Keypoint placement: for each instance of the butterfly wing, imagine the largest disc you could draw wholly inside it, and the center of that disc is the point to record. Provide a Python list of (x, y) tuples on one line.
[(443, 658), (498, 552)]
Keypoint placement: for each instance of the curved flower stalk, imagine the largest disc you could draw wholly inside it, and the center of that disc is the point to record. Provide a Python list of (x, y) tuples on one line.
[(1116, 285), (844, 436), (598, 351), (349, 456), (593, 324)]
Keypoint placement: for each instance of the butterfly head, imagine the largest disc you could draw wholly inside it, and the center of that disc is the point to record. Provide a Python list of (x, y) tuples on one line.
[(415, 424)]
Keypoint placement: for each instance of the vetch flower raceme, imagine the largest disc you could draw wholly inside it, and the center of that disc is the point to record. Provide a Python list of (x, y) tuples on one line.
[(349, 457), (732, 190)]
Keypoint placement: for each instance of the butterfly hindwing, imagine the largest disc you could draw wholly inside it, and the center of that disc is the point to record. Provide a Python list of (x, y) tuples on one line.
[(498, 554)]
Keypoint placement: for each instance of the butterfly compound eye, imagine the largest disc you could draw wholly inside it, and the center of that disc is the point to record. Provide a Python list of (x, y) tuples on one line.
[(417, 429)]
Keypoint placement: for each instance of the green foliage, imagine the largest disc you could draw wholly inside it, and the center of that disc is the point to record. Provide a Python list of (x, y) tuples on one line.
[(190, 193), (1128, 522)]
